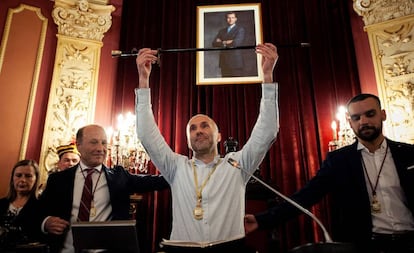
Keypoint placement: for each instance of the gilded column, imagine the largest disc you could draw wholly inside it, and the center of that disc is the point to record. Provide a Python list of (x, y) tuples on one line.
[(389, 25), (81, 27)]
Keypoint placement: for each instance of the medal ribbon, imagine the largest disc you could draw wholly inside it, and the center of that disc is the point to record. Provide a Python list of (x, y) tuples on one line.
[(374, 188), (198, 189)]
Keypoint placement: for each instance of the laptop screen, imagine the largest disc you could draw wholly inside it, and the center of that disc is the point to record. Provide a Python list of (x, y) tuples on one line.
[(115, 235)]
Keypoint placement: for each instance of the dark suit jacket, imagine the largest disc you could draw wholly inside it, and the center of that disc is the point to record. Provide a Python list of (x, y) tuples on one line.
[(342, 176), (57, 198), (26, 220), (231, 58)]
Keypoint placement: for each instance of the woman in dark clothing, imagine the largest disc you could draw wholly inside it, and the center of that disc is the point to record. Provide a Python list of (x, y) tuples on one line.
[(19, 208)]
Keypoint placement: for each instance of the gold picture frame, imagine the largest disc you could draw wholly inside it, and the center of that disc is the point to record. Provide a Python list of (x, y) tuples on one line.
[(212, 62)]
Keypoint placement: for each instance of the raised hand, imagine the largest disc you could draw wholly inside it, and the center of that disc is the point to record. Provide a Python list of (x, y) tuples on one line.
[(146, 57), (269, 59)]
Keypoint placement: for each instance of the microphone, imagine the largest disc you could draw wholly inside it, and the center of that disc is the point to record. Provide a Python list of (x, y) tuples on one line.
[(327, 237)]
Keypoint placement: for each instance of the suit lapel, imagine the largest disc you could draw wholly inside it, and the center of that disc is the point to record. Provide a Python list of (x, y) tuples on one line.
[(397, 156), (355, 161), (109, 174)]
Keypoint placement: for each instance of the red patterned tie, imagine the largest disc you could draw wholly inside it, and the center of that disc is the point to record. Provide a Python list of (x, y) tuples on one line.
[(85, 204)]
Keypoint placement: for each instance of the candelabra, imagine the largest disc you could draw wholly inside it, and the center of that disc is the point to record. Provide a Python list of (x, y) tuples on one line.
[(125, 149), (345, 135)]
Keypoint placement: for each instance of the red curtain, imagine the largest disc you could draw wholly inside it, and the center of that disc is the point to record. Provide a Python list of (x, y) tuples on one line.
[(313, 82)]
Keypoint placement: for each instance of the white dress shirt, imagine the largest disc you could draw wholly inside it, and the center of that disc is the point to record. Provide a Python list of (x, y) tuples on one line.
[(223, 198), (394, 216), (101, 200)]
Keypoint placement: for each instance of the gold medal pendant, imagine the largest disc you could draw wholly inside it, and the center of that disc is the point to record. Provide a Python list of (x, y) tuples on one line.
[(375, 206), (92, 211), (198, 211)]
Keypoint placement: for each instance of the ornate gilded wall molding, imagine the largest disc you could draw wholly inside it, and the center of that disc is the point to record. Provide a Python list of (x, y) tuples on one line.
[(20, 68), (389, 25), (377, 11), (33, 20), (72, 97), (81, 19), (392, 49)]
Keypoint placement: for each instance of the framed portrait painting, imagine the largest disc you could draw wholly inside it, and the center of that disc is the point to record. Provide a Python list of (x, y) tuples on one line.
[(228, 35)]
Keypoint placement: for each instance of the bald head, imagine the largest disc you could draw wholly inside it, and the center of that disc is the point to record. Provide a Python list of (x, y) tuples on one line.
[(203, 135)]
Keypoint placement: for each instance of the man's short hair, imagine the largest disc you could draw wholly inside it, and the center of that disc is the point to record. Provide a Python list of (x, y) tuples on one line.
[(361, 97)]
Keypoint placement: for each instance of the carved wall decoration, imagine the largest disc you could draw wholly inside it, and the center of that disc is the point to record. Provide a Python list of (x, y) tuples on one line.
[(82, 20), (72, 98), (377, 11), (390, 31)]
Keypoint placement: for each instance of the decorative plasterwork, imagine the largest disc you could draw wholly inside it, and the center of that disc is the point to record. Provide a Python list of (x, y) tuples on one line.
[(72, 97), (81, 19), (389, 25), (377, 11), (392, 50)]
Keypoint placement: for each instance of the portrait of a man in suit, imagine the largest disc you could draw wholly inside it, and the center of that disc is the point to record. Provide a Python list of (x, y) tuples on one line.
[(233, 35), (228, 29)]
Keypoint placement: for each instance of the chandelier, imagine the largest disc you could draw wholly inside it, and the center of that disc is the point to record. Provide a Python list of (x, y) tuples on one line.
[(124, 147), (344, 135)]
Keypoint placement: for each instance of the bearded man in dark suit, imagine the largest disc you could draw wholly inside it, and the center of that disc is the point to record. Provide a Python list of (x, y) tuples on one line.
[(370, 184)]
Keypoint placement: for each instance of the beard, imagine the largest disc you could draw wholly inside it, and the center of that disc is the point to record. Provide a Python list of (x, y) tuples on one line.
[(202, 145), (369, 133)]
